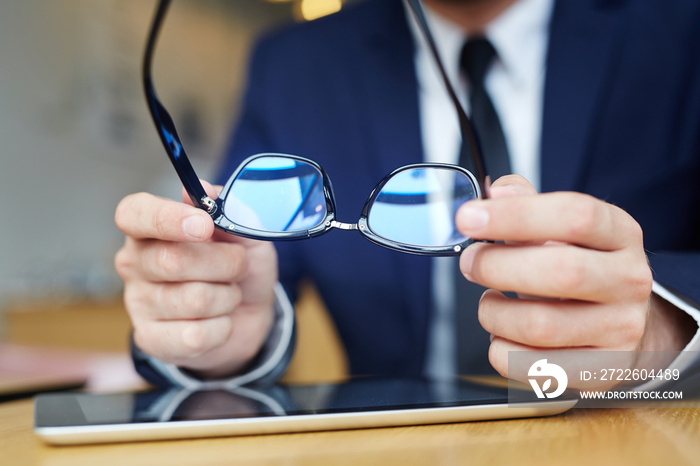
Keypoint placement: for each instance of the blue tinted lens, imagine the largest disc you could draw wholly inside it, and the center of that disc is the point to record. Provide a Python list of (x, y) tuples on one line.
[(417, 206), (277, 194)]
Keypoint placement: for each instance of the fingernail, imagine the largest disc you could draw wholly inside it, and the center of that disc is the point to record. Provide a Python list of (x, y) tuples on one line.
[(466, 261), (507, 190), (472, 219), (194, 227)]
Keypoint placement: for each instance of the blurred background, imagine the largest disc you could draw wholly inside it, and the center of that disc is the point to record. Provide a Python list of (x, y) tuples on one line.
[(75, 136)]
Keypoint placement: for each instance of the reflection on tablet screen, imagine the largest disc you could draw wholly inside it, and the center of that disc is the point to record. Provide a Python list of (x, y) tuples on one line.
[(362, 394)]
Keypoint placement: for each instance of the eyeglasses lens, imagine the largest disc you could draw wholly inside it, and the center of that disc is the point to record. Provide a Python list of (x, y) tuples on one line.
[(417, 207), (277, 194)]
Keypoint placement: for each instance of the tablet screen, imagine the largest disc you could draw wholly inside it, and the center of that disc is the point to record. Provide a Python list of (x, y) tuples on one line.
[(365, 394)]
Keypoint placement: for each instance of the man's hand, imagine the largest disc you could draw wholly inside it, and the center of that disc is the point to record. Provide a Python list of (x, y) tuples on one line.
[(198, 298), (579, 267)]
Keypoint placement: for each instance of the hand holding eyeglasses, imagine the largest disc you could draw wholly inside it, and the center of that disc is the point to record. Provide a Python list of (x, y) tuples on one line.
[(578, 263), (198, 298)]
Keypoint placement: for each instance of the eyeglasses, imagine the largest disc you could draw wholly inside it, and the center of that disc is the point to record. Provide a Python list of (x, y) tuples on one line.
[(285, 197)]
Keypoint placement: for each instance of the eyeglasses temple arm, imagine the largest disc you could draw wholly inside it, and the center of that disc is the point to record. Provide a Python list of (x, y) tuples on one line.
[(465, 125), (166, 127)]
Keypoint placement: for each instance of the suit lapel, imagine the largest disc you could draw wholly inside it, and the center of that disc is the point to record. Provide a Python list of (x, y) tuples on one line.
[(391, 101), (585, 38)]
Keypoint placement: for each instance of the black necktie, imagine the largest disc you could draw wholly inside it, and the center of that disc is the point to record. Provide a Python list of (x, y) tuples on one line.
[(477, 55), (472, 339)]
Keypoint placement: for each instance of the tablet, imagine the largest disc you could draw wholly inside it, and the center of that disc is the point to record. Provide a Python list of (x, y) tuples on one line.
[(366, 402)]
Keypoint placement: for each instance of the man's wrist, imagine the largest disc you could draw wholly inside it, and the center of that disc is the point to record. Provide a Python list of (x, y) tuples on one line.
[(269, 364), (668, 327), (672, 324), (680, 336)]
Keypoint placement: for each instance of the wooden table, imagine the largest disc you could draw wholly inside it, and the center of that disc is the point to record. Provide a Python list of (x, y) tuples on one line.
[(669, 436), (639, 436)]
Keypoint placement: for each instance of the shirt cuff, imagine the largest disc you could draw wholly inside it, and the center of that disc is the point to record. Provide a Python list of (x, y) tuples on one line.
[(268, 366), (691, 353)]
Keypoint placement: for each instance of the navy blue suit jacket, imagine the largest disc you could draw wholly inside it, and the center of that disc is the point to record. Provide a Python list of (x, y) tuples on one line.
[(621, 122)]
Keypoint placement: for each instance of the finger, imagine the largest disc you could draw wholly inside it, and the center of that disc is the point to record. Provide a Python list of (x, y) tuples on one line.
[(552, 324), (558, 271), (180, 340), (180, 301), (145, 216), (498, 355), (567, 217), (216, 262), (514, 361), (511, 185), (502, 351)]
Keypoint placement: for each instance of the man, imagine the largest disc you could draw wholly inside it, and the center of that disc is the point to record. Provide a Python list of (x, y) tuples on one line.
[(612, 109)]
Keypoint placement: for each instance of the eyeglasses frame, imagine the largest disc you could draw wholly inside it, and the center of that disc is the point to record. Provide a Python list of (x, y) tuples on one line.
[(329, 222), (178, 157)]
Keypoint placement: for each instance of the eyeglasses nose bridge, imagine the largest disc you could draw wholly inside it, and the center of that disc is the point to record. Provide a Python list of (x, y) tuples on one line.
[(342, 226)]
